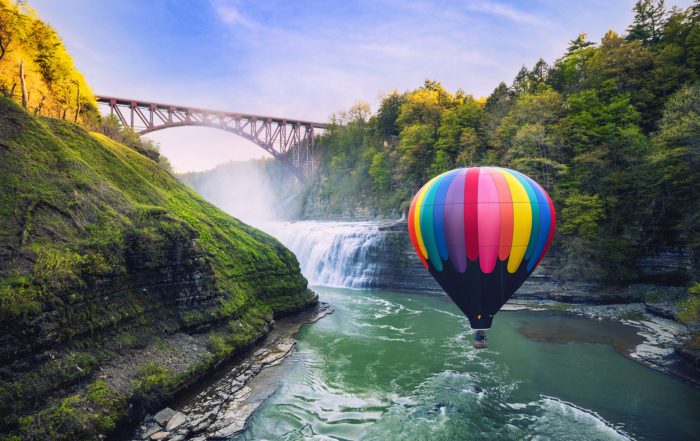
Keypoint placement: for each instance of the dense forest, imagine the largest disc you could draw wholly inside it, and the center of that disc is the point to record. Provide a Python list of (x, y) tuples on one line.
[(611, 131)]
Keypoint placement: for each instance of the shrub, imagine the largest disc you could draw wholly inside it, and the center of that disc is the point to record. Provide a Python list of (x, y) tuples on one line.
[(151, 388)]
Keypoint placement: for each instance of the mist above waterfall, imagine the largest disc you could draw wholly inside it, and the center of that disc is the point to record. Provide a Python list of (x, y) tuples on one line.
[(254, 191), (264, 194)]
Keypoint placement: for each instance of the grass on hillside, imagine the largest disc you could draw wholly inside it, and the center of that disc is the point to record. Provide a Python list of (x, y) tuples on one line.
[(75, 208)]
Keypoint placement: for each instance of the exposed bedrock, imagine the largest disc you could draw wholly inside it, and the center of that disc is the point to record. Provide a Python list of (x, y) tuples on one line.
[(402, 270)]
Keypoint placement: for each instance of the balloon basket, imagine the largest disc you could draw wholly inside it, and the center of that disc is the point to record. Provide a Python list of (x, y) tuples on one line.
[(480, 343)]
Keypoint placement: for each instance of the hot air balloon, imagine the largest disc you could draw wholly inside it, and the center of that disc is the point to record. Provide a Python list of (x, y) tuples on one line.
[(481, 232)]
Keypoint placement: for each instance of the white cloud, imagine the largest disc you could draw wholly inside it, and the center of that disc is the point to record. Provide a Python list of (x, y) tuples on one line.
[(230, 14), (306, 61), (506, 11)]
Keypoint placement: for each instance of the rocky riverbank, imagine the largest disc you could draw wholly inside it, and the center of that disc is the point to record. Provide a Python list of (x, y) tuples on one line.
[(221, 408)]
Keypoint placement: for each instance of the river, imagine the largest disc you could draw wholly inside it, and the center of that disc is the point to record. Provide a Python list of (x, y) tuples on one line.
[(392, 366)]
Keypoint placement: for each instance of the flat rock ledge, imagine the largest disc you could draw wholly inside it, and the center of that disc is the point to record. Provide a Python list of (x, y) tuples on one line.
[(662, 349), (222, 410)]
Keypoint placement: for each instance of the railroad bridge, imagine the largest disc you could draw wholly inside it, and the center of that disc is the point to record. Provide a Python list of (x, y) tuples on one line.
[(290, 141)]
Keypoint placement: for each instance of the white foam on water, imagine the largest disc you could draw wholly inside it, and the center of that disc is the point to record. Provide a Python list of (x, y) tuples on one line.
[(578, 416), (370, 325)]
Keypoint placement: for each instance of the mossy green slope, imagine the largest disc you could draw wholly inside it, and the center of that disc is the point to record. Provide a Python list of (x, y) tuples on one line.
[(101, 252)]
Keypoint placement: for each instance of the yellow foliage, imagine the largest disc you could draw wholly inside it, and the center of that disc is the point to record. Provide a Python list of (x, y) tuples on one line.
[(421, 106), (52, 84)]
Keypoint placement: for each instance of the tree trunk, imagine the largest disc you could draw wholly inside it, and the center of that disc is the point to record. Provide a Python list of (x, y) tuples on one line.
[(41, 104), (24, 86), (77, 103)]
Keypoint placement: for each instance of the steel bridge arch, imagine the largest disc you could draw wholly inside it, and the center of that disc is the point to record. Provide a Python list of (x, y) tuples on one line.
[(281, 137)]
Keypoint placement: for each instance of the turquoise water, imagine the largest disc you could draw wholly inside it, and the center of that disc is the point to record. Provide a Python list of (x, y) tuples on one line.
[(389, 366)]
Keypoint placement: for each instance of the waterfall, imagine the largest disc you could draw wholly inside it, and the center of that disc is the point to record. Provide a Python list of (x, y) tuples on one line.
[(340, 254)]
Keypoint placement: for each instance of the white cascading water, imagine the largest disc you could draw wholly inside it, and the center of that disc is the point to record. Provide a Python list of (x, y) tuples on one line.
[(339, 254)]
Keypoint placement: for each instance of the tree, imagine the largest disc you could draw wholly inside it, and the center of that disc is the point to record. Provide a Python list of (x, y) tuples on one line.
[(528, 81), (499, 93), (48, 72), (649, 21), (680, 124), (581, 215), (422, 106), (24, 84), (416, 149), (12, 29), (692, 44), (577, 44), (379, 172), (455, 121), (470, 145), (388, 112)]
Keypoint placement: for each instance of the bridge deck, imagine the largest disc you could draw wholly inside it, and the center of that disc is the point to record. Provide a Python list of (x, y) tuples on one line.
[(146, 105)]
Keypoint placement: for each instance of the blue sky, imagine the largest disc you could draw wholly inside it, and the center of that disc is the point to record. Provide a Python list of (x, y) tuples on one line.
[(308, 59)]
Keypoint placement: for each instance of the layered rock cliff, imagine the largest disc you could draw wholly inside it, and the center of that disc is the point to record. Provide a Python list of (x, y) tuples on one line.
[(402, 270), (118, 285)]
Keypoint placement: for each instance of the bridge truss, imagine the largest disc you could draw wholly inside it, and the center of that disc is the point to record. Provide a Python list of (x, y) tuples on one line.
[(290, 141)]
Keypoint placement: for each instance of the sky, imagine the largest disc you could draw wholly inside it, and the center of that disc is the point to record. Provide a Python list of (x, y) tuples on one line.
[(307, 59)]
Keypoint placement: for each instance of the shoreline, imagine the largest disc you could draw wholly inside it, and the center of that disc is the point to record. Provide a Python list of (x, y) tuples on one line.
[(221, 406)]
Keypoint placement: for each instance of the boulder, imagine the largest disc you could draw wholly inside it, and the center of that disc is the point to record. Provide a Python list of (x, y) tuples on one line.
[(160, 435), (201, 426), (175, 422), (148, 430), (164, 416)]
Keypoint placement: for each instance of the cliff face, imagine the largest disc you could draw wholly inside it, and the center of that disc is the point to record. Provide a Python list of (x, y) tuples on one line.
[(118, 285), (403, 271)]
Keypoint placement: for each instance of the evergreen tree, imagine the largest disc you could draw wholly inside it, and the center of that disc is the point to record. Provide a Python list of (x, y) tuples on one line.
[(499, 93), (579, 43), (649, 21)]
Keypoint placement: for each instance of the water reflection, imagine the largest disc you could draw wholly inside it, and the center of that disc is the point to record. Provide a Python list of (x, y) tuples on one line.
[(563, 327)]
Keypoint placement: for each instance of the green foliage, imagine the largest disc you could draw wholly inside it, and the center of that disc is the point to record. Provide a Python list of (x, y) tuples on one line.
[(85, 216), (680, 124), (578, 44), (18, 296), (581, 215), (151, 377), (111, 127), (649, 21), (83, 416), (378, 171), (690, 315), (610, 130)]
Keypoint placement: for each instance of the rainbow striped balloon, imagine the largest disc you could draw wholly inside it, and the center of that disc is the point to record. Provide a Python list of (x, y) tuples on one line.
[(481, 231)]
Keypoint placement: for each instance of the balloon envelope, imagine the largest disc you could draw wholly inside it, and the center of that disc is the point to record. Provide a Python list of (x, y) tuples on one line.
[(481, 231)]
